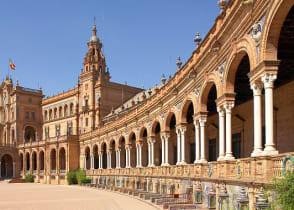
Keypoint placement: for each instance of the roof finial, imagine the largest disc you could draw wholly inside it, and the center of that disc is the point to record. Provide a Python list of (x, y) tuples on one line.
[(94, 27)]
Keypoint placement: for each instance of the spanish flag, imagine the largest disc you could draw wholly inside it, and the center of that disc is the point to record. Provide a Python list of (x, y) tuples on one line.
[(12, 66)]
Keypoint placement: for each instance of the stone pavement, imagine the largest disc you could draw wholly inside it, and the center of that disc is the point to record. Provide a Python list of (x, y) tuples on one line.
[(59, 197)]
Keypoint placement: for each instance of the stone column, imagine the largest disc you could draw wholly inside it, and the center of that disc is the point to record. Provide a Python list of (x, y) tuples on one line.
[(149, 153), (109, 159), (92, 162), (257, 114), (268, 81), (118, 158), (197, 141), (0, 169), (166, 150), (178, 146), (221, 117), (183, 142), (100, 160), (152, 152), (202, 122), (139, 155), (162, 151), (228, 107), (13, 175)]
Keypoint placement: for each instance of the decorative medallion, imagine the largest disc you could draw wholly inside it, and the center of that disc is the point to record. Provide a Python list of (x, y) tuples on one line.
[(239, 169), (288, 164), (209, 169)]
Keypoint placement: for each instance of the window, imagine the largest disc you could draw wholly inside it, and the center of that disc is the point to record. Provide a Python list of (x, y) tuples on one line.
[(47, 132), (69, 128), (33, 115), (60, 112), (27, 116), (46, 115), (71, 109), (87, 122), (55, 113), (86, 86), (57, 130)]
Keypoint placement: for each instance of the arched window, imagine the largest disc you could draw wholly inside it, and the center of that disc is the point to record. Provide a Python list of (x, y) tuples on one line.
[(71, 109), (60, 112), (50, 114), (65, 110), (55, 113), (46, 115)]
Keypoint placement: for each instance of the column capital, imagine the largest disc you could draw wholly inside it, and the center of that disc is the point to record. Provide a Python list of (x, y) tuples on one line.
[(221, 111), (151, 139), (268, 79), (229, 105), (165, 134), (257, 88)]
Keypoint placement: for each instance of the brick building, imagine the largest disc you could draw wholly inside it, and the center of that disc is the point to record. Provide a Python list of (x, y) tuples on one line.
[(222, 123)]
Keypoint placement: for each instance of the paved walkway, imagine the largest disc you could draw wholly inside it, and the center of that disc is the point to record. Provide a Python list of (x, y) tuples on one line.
[(58, 197)]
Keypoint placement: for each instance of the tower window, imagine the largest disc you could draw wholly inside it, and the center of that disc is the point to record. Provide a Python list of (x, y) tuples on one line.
[(93, 51), (87, 122)]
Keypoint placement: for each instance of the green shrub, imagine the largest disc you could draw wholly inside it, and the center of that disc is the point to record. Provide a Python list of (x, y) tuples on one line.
[(284, 190), (77, 177), (81, 174), (29, 178), (71, 177)]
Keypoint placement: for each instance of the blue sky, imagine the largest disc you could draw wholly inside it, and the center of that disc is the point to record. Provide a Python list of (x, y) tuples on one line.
[(47, 40)]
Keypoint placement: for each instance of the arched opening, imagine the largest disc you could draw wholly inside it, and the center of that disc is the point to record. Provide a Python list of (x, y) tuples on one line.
[(243, 106), (30, 134), (6, 166), (113, 154), (133, 155), (34, 161), (42, 161), (284, 87), (65, 110), (53, 161), (144, 151), (172, 141), (96, 157), (212, 124), (190, 133), (104, 156), (71, 109), (21, 161), (46, 115), (157, 145), (60, 112), (28, 162), (50, 114), (122, 152), (88, 158), (55, 113), (62, 160)]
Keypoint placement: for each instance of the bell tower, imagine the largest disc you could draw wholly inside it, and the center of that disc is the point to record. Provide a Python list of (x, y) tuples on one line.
[(92, 76), (94, 60)]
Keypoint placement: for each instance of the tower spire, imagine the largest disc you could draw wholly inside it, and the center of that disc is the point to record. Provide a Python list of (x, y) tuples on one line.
[(94, 27)]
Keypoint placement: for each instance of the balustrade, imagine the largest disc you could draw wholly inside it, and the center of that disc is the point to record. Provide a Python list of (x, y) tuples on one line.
[(246, 169)]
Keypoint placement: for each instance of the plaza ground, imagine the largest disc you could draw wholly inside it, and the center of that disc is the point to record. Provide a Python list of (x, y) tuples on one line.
[(41, 197)]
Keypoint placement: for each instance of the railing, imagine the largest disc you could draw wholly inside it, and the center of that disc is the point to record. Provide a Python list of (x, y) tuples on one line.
[(7, 145), (62, 171), (253, 169), (41, 171), (53, 171), (34, 171)]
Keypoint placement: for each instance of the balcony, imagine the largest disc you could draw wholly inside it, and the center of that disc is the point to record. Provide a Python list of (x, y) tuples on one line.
[(13, 145), (53, 172), (252, 169)]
